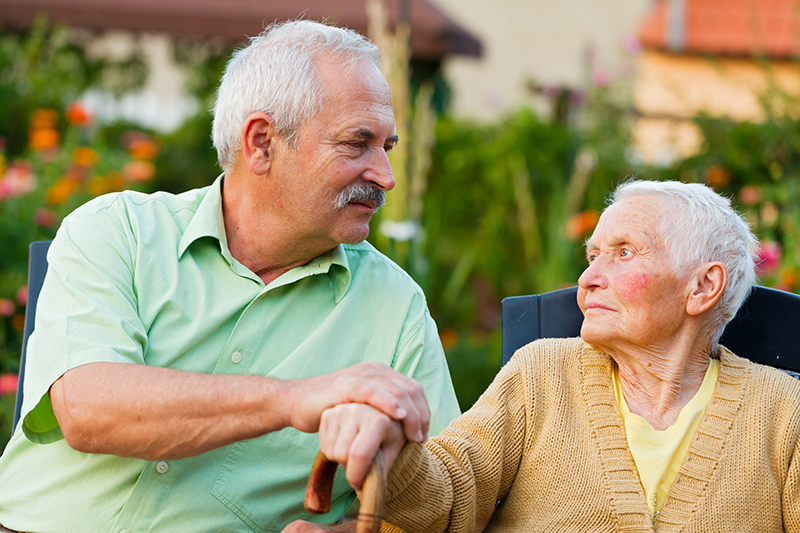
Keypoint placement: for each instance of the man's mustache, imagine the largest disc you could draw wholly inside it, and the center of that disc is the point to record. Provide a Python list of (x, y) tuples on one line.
[(359, 193)]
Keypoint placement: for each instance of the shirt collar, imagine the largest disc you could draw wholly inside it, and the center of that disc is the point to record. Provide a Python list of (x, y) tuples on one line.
[(208, 222)]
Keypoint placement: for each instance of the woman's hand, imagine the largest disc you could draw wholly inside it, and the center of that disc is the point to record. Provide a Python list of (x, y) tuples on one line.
[(352, 433)]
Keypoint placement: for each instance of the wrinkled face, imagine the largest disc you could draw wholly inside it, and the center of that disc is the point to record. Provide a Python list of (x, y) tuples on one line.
[(629, 293), (341, 148)]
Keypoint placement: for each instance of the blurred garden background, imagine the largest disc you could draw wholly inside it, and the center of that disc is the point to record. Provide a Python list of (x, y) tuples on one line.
[(497, 188)]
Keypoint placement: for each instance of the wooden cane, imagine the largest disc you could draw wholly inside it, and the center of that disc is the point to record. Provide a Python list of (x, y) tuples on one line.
[(373, 492)]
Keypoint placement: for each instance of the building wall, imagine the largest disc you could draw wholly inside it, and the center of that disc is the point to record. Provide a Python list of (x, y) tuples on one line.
[(162, 103), (537, 42), (670, 89)]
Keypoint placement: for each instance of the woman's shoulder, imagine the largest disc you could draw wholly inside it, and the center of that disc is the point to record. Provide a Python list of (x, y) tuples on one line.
[(549, 354), (772, 382)]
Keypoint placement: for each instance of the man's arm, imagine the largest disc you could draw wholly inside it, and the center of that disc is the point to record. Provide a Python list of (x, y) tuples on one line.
[(158, 413)]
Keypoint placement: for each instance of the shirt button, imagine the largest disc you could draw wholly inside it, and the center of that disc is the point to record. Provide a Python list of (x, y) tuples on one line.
[(162, 467), (236, 357)]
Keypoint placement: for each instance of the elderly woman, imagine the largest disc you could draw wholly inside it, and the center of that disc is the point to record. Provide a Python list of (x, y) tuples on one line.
[(645, 423)]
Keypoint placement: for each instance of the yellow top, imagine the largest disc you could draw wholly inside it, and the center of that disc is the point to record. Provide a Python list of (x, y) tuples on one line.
[(658, 454)]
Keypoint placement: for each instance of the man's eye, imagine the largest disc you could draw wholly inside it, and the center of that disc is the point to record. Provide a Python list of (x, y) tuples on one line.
[(591, 258), (625, 253)]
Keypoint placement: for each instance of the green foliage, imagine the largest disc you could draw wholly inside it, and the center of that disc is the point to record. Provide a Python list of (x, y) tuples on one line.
[(757, 165), (505, 209), (53, 158), (497, 208)]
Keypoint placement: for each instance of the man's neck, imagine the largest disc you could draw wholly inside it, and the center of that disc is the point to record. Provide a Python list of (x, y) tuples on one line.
[(259, 239)]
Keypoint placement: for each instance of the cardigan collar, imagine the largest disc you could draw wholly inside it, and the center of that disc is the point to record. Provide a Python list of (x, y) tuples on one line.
[(698, 467)]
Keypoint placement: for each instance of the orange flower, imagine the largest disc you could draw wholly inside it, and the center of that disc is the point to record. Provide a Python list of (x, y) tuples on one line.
[(582, 223), (142, 149), (85, 156), (60, 191), (449, 338), (138, 170), (718, 176), (44, 138), (104, 184), (44, 119), (18, 322), (790, 277), (76, 114)]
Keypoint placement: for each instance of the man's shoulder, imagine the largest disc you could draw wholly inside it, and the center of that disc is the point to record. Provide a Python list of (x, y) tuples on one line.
[(137, 213), (134, 202)]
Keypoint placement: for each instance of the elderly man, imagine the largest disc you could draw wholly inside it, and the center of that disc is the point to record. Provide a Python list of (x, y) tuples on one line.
[(186, 345), (643, 424)]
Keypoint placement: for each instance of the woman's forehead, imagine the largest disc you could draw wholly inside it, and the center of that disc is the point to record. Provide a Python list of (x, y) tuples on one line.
[(632, 215)]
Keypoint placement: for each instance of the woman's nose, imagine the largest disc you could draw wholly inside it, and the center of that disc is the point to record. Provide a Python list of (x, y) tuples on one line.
[(593, 276)]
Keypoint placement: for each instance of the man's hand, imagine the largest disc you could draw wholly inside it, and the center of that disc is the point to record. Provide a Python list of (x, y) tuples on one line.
[(394, 394), (351, 434)]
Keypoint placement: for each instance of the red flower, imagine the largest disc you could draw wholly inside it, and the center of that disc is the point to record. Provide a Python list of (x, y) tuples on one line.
[(76, 114)]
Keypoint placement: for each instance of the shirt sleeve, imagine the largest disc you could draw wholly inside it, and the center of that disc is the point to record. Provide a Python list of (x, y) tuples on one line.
[(86, 312), (420, 355), (454, 482)]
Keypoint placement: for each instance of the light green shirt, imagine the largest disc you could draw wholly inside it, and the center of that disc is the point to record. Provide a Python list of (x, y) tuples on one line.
[(149, 279)]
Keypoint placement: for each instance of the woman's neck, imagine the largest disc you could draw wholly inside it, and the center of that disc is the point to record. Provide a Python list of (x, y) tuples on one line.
[(658, 385)]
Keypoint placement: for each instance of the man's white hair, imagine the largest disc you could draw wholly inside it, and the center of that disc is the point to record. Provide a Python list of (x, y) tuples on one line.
[(700, 226), (276, 74)]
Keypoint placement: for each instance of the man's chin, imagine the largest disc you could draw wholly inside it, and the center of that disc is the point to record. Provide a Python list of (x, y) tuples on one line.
[(354, 236)]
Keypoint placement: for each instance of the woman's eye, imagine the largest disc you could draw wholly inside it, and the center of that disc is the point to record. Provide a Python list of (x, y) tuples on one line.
[(625, 253)]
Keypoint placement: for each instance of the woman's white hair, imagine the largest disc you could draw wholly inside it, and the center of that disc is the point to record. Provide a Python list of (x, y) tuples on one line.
[(276, 74), (700, 226)]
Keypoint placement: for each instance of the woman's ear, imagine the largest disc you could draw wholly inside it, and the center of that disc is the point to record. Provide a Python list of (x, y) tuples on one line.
[(258, 143), (707, 286)]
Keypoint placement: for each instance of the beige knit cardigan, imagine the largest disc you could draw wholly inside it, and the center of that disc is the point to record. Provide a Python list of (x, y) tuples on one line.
[(544, 449)]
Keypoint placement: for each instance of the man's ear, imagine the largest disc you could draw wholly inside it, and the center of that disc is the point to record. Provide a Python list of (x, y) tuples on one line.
[(707, 286), (258, 143)]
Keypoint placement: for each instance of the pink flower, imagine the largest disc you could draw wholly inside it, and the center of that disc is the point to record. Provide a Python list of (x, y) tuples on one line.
[(46, 218), (8, 384), (632, 45), (7, 307), (768, 257), (600, 77), (17, 181), (750, 194), (22, 295)]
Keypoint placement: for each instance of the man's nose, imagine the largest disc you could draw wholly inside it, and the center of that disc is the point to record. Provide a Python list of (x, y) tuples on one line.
[(379, 171)]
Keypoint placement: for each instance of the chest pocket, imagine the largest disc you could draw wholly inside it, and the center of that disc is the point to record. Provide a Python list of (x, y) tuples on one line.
[(263, 481)]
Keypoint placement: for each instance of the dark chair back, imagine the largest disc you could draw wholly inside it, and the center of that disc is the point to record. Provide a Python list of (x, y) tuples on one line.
[(37, 268), (765, 329)]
